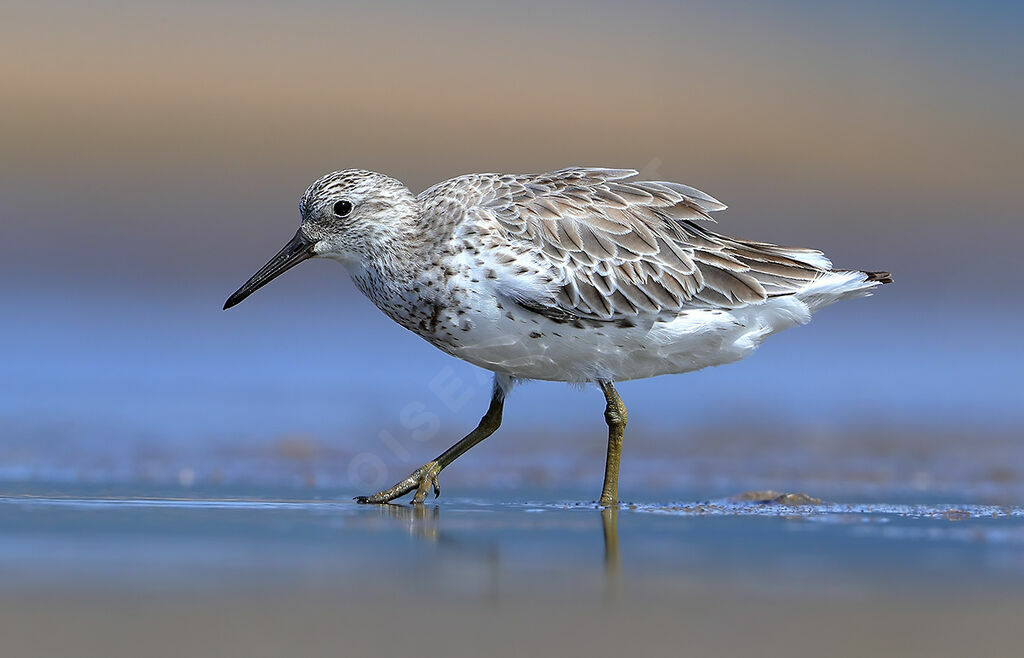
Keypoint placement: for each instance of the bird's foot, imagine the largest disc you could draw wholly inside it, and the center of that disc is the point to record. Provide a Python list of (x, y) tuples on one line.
[(423, 479)]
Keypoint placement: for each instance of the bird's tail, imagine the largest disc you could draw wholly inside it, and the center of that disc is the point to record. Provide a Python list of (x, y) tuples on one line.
[(841, 284), (881, 277)]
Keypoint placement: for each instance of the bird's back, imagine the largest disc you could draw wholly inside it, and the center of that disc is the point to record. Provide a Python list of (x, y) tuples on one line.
[(613, 248)]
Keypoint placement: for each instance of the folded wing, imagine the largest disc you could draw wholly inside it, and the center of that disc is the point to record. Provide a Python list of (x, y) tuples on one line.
[(613, 248)]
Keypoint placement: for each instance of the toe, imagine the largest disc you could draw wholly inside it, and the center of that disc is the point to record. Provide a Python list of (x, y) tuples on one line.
[(421, 494)]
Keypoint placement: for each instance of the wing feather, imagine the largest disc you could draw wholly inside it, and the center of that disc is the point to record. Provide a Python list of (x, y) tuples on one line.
[(614, 248)]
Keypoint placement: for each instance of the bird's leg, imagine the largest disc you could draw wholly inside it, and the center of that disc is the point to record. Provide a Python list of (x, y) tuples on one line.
[(615, 416), (424, 478)]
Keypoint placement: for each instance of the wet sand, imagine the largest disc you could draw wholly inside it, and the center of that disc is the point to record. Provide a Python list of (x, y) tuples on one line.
[(109, 571), (702, 623)]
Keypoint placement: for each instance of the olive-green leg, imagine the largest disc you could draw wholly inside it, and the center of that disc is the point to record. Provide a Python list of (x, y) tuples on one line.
[(615, 415), (424, 478)]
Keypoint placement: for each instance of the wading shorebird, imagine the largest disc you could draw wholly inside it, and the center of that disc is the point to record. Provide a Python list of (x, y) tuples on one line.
[(579, 275)]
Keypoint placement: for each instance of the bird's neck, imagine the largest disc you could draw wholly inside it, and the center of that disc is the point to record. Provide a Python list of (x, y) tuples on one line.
[(408, 290), (401, 272)]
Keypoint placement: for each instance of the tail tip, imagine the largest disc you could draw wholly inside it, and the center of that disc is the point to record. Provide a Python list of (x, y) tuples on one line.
[(880, 277)]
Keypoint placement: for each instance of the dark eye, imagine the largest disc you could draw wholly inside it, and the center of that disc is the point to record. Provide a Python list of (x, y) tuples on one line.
[(342, 208)]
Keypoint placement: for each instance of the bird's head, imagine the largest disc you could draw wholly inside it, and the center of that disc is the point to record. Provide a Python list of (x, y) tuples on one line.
[(348, 215)]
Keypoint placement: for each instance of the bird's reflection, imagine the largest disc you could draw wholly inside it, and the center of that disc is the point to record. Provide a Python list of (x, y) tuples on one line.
[(423, 520), (612, 561), (424, 523)]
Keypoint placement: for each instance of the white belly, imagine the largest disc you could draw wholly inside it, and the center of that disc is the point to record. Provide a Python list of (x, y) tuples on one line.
[(529, 346)]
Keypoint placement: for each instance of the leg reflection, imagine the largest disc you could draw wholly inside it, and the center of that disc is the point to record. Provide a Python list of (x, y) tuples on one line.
[(612, 561), (423, 520), (453, 555)]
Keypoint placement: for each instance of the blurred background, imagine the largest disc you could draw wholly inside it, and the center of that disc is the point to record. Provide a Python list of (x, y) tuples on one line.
[(153, 155), (178, 478)]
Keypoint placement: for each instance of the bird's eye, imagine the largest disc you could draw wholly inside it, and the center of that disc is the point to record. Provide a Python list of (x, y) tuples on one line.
[(342, 208)]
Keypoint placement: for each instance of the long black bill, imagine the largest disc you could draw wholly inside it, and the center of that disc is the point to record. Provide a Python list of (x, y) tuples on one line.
[(297, 250)]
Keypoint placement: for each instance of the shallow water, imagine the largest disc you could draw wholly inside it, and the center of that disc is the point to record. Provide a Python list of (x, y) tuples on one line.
[(125, 538), (245, 571)]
